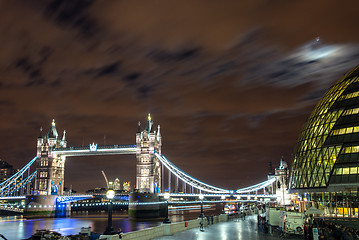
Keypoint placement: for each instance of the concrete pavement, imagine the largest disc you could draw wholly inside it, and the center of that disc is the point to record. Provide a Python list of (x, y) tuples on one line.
[(232, 230)]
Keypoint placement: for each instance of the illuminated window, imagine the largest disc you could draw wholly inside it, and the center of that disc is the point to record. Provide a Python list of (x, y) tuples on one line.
[(145, 171), (350, 95), (351, 111), (352, 149), (144, 183), (42, 184), (346, 130)]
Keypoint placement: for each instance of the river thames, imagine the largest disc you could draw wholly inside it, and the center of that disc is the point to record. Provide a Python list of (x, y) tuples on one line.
[(17, 227)]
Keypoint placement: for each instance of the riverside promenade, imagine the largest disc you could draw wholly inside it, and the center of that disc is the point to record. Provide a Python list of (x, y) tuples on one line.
[(234, 229)]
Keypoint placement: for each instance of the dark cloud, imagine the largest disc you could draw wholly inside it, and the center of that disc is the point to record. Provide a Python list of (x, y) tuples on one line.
[(71, 13), (132, 77), (105, 70), (163, 56), (231, 84)]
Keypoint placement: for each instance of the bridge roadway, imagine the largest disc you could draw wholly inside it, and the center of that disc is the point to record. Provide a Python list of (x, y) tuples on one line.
[(76, 197), (93, 149), (16, 204)]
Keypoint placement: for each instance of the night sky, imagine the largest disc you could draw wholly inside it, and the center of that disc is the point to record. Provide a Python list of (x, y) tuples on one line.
[(230, 82)]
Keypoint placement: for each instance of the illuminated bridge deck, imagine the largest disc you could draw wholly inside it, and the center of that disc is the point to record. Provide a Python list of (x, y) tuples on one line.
[(96, 150)]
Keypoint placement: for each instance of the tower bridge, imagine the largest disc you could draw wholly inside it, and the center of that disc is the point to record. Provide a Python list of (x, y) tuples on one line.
[(48, 167)]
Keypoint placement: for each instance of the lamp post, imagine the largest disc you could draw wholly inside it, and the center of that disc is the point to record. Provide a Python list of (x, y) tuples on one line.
[(224, 203), (201, 221), (201, 198), (110, 194), (166, 196)]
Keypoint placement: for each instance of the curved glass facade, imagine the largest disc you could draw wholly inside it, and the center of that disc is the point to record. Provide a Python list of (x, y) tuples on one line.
[(327, 151)]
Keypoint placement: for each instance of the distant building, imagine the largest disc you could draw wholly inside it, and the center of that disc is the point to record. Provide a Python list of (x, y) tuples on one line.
[(97, 191), (69, 191), (126, 186), (281, 187), (117, 185), (6, 170)]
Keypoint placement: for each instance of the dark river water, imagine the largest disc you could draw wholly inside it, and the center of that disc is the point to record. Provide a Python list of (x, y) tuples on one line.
[(17, 227)]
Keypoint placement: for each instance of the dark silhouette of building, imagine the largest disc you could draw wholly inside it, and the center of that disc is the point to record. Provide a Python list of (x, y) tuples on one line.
[(6, 170)]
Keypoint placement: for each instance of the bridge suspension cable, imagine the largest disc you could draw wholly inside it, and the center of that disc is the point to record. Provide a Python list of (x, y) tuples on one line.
[(257, 187), (19, 173), (187, 178), (19, 185), (10, 185)]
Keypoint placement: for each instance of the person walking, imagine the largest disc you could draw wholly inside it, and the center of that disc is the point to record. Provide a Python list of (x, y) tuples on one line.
[(201, 224)]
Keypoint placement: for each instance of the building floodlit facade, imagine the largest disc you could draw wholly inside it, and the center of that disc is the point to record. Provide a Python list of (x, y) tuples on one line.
[(117, 185), (281, 186), (148, 167), (126, 186), (326, 158), (50, 167)]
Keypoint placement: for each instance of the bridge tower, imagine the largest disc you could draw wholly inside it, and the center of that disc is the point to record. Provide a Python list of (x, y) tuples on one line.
[(148, 167), (50, 167), (281, 184)]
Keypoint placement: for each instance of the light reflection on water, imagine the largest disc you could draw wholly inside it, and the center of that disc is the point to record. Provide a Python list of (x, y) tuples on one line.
[(16, 227)]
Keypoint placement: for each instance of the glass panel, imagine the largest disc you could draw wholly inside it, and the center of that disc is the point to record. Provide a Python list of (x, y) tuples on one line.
[(312, 160), (353, 170)]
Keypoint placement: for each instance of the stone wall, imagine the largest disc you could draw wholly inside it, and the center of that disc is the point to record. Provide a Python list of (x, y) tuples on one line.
[(169, 229)]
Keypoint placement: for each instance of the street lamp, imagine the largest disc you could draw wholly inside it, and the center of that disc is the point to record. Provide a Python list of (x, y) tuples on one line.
[(224, 203), (166, 196), (201, 198), (110, 194)]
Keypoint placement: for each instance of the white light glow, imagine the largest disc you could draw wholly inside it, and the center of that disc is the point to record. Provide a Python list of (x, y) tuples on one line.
[(201, 196), (110, 194)]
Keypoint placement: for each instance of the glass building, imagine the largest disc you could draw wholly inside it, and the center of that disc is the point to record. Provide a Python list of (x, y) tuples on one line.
[(326, 158)]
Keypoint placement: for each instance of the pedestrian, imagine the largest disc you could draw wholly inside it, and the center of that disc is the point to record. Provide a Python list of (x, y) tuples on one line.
[(120, 233), (337, 234), (305, 232), (310, 230), (201, 224), (265, 227), (260, 226), (346, 234)]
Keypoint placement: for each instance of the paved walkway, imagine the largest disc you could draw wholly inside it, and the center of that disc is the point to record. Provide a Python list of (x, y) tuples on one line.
[(232, 230)]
